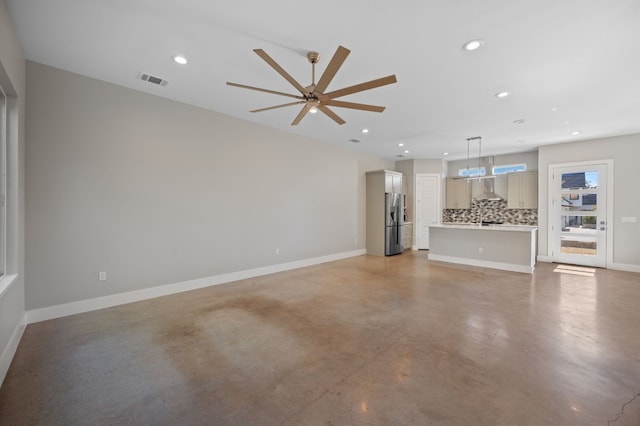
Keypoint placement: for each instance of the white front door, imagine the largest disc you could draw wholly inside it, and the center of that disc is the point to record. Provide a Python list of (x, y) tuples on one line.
[(578, 232), (427, 207)]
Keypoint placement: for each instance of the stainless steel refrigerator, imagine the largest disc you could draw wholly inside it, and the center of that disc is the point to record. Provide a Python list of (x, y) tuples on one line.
[(394, 222)]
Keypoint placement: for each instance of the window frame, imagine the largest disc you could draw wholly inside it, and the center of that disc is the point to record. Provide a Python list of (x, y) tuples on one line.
[(508, 168), (472, 172)]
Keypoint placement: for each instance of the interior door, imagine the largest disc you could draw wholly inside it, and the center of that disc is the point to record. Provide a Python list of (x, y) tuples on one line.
[(427, 207), (579, 215)]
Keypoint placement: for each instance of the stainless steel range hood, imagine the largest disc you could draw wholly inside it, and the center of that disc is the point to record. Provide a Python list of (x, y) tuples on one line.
[(488, 183)]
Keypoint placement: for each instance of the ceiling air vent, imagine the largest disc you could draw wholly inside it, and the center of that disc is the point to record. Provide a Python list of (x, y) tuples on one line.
[(355, 140), (153, 79)]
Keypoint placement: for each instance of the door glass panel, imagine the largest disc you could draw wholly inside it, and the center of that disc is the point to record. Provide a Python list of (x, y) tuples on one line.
[(581, 223), (580, 180), (579, 201), (582, 215), (579, 235)]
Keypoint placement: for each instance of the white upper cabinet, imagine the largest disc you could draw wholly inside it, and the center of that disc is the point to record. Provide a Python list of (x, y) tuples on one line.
[(522, 191), (393, 182), (458, 194)]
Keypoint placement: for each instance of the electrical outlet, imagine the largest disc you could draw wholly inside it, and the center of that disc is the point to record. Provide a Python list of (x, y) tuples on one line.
[(480, 250), (277, 251), (102, 276)]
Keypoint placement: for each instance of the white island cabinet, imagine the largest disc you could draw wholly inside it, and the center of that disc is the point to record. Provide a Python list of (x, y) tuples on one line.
[(507, 247)]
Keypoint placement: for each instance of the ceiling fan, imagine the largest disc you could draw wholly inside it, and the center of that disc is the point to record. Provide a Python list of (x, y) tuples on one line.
[(313, 96)]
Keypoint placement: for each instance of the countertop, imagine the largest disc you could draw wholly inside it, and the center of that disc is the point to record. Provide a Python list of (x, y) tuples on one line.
[(513, 228)]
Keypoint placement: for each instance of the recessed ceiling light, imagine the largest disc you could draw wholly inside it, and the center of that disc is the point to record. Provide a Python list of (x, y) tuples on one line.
[(520, 121), (365, 130), (180, 60), (445, 153), (502, 94), (473, 45), (554, 109), (313, 110), (400, 144), (406, 151), (577, 132)]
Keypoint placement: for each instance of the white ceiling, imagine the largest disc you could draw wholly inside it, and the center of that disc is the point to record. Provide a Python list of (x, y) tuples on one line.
[(578, 56)]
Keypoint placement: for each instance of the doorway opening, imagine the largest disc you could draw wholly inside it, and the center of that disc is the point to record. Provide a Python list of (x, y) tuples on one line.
[(427, 208)]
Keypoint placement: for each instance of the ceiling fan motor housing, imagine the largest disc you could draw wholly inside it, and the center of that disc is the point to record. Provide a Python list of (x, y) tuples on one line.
[(313, 57)]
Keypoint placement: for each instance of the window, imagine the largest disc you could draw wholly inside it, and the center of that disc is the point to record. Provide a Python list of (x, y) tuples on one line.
[(472, 172), (501, 170)]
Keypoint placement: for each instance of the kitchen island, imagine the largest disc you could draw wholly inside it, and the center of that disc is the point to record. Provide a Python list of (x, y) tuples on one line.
[(507, 247)]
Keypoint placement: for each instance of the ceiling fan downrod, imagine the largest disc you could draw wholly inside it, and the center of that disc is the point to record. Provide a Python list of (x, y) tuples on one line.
[(313, 57)]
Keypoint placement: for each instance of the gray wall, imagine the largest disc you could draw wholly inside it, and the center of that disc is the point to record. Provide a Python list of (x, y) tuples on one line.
[(156, 192), (12, 79), (625, 153)]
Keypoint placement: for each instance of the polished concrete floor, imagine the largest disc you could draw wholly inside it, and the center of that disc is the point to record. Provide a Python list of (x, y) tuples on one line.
[(366, 340)]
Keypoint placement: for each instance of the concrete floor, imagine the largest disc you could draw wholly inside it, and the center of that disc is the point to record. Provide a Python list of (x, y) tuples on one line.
[(367, 340)]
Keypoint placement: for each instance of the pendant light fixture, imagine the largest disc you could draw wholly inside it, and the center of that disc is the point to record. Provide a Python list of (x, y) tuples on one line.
[(489, 193)]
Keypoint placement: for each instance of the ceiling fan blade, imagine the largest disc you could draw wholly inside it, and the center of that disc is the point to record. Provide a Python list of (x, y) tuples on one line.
[(301, 114), (334, 65), (279, 69), (353, 105), (278, 106), (332, 115), (362, 86), (264, 90)]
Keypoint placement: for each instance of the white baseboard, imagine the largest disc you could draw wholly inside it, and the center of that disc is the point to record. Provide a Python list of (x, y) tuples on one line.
[(10, 349), (483, 263), (624, 267), (617, 266), (72, 308)]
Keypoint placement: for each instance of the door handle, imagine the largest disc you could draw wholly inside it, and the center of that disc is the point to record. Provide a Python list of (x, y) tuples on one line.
[(602, 228)]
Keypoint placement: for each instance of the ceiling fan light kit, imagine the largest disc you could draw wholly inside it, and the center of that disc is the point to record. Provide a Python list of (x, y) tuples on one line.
[(313, 97)]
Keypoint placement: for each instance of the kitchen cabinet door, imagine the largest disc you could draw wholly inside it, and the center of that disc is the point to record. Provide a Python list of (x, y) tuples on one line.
[(397, 184), (458, 195), (522, 190), (407, 235), (393, 183)]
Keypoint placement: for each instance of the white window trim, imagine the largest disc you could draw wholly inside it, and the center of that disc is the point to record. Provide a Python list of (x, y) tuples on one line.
[(4, 125)]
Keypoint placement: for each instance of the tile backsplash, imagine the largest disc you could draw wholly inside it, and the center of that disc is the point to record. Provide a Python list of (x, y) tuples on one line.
[(491, 211)]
